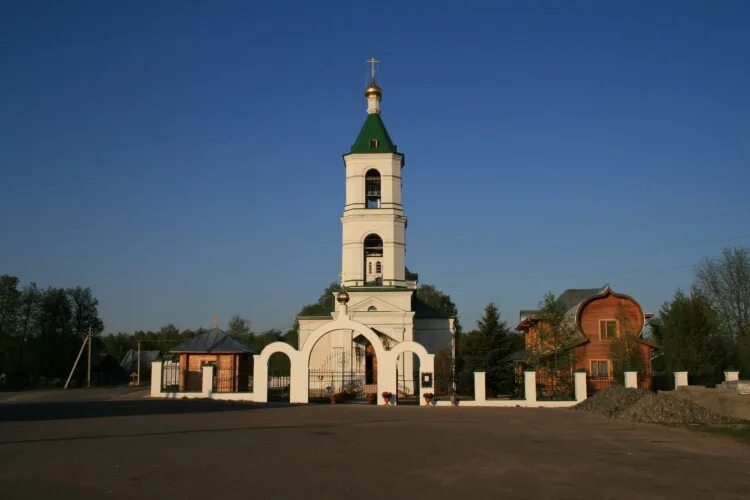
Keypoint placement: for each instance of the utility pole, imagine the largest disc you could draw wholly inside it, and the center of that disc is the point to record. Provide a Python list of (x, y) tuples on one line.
[(88, 376), (75, 364), (138, 379)]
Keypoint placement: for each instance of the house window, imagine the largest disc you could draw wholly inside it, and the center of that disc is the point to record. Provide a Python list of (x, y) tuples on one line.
[(372, 308), (372, 189), (378, 268), (373, 143), (600, 369), (608, 329), (369, 267)]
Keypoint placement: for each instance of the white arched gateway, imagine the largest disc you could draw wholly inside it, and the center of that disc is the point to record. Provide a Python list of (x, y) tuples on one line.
[(300, 359)]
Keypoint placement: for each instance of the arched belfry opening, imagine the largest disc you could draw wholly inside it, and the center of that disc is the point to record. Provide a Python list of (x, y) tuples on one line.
[(372, 189), (373, 250)]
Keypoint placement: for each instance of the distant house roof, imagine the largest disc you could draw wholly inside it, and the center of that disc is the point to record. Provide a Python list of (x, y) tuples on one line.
[(129, 362), (213, 341), (569, 300), (574, 296)]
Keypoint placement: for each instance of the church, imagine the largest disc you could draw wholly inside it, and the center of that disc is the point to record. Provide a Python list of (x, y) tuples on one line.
[(378, 290)]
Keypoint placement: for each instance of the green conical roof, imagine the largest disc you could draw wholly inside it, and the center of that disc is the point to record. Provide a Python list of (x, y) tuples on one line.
[(374, 128)]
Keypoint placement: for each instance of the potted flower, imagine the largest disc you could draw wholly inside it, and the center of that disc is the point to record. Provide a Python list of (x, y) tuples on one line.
[(387, 396), (428, 397), (372, 398)]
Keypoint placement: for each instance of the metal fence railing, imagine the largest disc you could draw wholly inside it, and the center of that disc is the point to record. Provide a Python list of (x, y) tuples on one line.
[(172, 376), (341, 387), (278, 387), (555, 386)]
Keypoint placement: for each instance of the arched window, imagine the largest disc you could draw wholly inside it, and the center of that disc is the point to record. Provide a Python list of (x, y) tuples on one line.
[(372, 308), (373, 251), (372, 189), (373, 246)]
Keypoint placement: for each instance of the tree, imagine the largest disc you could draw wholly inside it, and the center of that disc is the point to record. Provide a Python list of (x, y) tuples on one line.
[(238, 326), (447, 364), (486, 349), (10, 297), (56, 345), (84, 311), (324, 306), (27, 318), (725, 283), (9, 308), (440, 301), (690, 338), (556, 336), (625, 350)]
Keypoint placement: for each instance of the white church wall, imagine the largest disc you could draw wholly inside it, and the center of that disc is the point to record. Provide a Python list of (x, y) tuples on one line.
[(433, 333), (307, 325)]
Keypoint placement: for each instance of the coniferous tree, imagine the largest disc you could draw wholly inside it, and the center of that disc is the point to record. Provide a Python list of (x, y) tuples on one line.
[(487, 349), (690, 338)]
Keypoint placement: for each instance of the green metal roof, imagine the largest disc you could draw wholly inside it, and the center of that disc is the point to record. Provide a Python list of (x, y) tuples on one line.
[(374, 128)]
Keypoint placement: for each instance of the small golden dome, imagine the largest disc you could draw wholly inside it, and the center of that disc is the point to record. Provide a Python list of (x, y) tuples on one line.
[(342, 297), (373, 89)]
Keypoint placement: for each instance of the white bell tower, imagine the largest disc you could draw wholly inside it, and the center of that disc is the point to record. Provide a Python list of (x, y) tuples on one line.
[(373, 224)]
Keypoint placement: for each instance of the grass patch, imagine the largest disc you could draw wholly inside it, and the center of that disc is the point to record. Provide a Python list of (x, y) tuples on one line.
[(740, 432)]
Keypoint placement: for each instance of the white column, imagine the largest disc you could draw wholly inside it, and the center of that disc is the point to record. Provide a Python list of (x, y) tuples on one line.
[(580, 384), (631, 380), (207, 375), (386, 376), (156, 379), (480, 391), (260, 379), (426, 366), (298, 392), (529, 386), (680, 379), (731, 376)]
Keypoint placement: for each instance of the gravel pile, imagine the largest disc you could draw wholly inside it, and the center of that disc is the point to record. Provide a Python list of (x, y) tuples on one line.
[(638, 405)]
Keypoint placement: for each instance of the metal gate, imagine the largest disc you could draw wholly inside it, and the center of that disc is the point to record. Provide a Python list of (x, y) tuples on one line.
[(407, 387), (336, 386), (172, 377)]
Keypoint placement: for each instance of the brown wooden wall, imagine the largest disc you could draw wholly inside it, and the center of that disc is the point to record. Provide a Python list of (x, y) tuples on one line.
[(624, 309), (630, 322)]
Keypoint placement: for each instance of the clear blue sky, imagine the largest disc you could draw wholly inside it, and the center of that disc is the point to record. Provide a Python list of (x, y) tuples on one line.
[(183, 159)]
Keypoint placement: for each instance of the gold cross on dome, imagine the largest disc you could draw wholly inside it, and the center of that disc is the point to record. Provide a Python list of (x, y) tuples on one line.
[(372, 62)]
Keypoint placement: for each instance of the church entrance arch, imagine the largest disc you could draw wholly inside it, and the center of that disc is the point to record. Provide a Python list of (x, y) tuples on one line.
[(346, 362), (343, 369)]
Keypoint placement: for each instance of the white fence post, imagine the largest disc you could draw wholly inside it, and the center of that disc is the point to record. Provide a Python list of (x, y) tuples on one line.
[(156, 379), (207, 385), (480, 391), (580, 384), (529, 386), (680, 379), (731, 376), (631, 380)]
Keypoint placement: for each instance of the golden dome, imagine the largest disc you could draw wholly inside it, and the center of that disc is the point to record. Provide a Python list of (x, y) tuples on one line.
[(342, 297), (373, 89)]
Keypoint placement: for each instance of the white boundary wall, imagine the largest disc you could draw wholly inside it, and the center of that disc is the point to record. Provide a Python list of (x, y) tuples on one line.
[(300, 360), (529, 401)]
